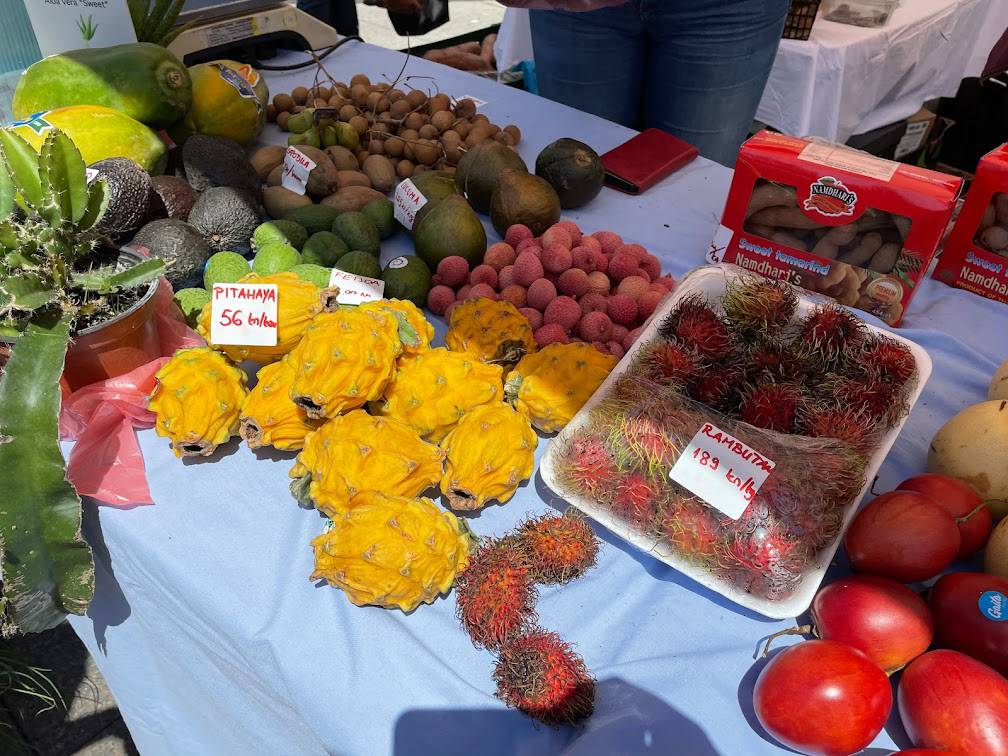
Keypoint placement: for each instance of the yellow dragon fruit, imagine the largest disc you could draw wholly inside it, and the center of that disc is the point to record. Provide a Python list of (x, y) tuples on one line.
[(494, 332), (393, 552), (355, 454), (489, 453), (345, 359), (197, 401), (268, 415), (550, 386), (432, 390), (298, 301), (413, 317)]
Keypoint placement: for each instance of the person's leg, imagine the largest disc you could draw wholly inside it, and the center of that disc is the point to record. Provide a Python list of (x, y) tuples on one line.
[(707, 64), (592, 61)]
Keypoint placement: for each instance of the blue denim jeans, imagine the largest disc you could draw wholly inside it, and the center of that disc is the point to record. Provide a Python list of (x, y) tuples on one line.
[(693, 68)]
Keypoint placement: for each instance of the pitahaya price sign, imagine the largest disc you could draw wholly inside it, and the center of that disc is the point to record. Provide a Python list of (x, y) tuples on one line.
[(243, 314), (354, 289), (721, 470)]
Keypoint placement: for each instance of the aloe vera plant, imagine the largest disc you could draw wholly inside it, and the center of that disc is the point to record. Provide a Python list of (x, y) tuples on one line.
[(156, 24), (49, 280), (88, 28)]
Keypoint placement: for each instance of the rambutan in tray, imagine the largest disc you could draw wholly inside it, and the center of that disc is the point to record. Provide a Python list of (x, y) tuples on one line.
[(769, 550)]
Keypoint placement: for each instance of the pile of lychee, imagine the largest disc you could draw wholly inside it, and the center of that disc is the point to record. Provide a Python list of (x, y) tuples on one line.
[(571, 286)]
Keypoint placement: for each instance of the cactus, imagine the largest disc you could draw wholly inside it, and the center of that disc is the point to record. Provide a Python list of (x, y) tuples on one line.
[(48, 214)]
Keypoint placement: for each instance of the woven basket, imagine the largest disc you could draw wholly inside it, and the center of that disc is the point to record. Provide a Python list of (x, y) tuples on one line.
[(800, 19)]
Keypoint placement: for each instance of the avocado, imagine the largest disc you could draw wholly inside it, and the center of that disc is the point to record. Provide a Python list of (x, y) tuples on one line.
[(129, 189), (323, 248), (357, 230), (407, 277), (217, 161), (360, 263), (175, 194), (381, 213), (286, 231), (314, 218), (226, 217), (181, 246)]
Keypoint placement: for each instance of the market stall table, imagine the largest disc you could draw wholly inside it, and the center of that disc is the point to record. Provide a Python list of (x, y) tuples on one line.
[(214, 641)]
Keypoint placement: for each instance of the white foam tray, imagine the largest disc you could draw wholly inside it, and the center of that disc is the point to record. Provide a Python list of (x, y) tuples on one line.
[(711, 282)]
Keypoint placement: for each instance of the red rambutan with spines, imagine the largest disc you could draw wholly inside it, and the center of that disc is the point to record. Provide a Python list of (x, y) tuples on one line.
[(771, 358), (672, 363), (695, 325), (541, 675), (588, 464), (833, 420), (692, 529), (757, 305), (645, 442), (559, 548), (880, 402), (828, 333), (635, 499), (773, 406), (495, 597), (718, 385), (890, 359)]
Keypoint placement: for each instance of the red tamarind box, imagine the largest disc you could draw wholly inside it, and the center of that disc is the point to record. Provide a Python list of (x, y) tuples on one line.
[(835, 221), (975, 256)]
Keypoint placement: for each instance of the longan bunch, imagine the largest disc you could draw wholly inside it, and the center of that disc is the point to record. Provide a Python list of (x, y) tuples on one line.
[(414, 130)]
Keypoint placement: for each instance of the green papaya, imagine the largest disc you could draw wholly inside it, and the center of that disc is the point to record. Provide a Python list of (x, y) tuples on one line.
[(142, 80)]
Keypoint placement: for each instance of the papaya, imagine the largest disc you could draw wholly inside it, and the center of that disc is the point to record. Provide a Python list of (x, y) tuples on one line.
[(229, 100), (98, 133), (142, 80)]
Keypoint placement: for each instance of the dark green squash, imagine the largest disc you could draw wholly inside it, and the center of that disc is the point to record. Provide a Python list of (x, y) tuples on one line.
[(573, 169)]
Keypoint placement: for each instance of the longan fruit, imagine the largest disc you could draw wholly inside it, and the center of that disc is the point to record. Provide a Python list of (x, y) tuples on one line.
[(383, 104), (438, 103), (404, 169), (347, 112), (362, 155), (416, 98), (388, 121), (380, 128), (381, 86), (409, 135), (504, 138), (394, 147), (359, 124), (480, 117), (342, 89), (479, 133), (465, 108), (462, 128), (395, 94), (427, 151), (361, 79), (420, 168), (414, 121), (283, 102), (320, 103), (300, 95), (376, 147), (428, 131), (453, 152), (372, 100), (442, 120), (514, 131), (400, 108), (325, 92), (271, 112), (359, 94), (281, 119)]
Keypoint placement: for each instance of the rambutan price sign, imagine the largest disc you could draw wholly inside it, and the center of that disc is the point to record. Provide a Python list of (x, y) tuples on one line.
[(243, 314), (721, 470)]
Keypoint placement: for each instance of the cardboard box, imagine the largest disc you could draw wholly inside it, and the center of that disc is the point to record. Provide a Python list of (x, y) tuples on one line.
[(835, 221), (975, 257)]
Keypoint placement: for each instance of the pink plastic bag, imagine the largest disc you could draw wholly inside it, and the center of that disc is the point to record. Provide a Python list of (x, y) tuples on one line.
[(106, 462)]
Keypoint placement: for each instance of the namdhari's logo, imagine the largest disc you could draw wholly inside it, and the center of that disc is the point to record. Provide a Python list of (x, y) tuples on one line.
[(828, 196)]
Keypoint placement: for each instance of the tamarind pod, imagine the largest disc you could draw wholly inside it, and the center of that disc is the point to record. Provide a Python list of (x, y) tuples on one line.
[(849, 288), (784, 217), (884, 260), (862, 253), (468, 47), (771, 195), (1001, 208), (989, 216), (873, 220), (903, 224), (837, 273), (995, 238), (486, 50), (754, 228), (789, 240), (829, 245)]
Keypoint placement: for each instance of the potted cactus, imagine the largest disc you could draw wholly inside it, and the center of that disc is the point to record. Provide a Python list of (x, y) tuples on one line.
[(57, 276)]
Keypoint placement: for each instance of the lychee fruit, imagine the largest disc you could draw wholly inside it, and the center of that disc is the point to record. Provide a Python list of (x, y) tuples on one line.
[(598, 282), (652, 266), (463, 292), (595, 326), (485, 274), (615, 349), (617, 333), (602, 346), (591, 242), (573, 282), (540, 293), (556, 235), (562, 310), (481, 290), (633, 286), (556, 258), (534, 316), (634, 250), (505, 276), (514, 294), (529, 245), (499, 255), (757, 305), (592, 302), (453, 271), (527, 268), (601, 262), (494, 596), (667, 281), (517, 233), (572, 229), (559, 549), (583, 258), (550, 333), (609, 241), (540, 675), (648, 302), (622, 309), (773, 406), (439, 298), (621, 266), (630, 338)]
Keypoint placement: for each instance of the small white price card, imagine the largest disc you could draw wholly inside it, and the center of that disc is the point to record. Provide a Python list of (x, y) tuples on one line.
[(476, 100), (90, 174), (243, 314), (721, 470), (354, 289), (297, 166), (407, 203)]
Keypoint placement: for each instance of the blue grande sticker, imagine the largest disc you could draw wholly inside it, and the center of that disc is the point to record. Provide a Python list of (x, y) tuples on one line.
[(994, 606)]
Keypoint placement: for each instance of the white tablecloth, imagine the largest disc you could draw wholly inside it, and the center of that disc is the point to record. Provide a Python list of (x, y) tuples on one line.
[(847, 80)]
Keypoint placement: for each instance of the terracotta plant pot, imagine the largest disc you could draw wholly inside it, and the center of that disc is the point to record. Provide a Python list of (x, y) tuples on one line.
[(116, 346)]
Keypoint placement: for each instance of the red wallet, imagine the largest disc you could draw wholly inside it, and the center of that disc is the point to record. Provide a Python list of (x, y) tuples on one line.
[(641, 162)]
